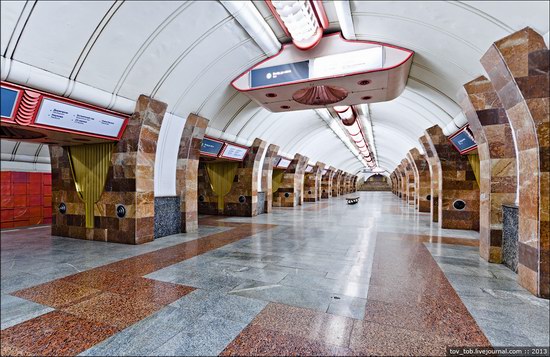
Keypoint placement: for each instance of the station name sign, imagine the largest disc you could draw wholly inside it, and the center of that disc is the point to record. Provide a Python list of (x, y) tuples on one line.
[(223, 150)]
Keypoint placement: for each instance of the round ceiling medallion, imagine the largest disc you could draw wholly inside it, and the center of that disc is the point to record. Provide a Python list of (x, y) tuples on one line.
[(320, 95)]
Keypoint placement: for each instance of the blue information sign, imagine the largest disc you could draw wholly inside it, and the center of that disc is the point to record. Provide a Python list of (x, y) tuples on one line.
[(463, 141), (8, 98), (211, 147), (283, 73)]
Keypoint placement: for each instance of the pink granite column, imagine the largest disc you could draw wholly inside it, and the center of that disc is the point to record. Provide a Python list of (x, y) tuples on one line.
[(326, 183), (409, 181), (312, 183), (421, 170), (267, 176), (129, 182), (495, 146), (435, 174), (459, 199), (402, 182), (290, 193), (337, 181), (518, 68), (187, 170)]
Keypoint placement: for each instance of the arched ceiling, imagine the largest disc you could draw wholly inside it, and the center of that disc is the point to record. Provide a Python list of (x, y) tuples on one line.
[(186, 53)]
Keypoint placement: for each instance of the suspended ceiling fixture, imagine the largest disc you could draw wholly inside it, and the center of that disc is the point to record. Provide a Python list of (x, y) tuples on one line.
[(302, 20), (353, 126), (336, 72)]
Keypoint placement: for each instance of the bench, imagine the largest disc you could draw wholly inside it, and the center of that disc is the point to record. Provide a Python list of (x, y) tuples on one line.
[(352, 200)]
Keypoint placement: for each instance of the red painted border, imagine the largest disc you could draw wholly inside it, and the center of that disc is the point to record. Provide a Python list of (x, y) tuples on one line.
[(17, 101), (465, 151), (411, 53), (74, 103), (216, 140), (226, 144)]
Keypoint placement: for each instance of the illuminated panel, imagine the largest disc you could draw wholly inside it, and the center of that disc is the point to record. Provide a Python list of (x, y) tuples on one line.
[(57, 114), (234, 152), (463, 141), (211, 147), (8, 102), (309, 168), (369, 59)]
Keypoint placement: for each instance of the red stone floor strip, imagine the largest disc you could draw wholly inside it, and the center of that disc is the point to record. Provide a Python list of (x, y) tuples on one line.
[(411, 309), (93, 305)]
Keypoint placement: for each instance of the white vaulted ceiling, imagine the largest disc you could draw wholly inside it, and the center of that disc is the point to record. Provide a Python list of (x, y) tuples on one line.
[(187, 53)]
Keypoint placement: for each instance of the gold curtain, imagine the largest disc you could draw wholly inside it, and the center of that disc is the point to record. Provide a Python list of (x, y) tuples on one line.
[(89, 166), (474, 163), (277, 179), (221, 175)]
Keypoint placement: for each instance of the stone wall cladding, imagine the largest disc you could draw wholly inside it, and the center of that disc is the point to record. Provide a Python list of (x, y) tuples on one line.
[(421, 170)]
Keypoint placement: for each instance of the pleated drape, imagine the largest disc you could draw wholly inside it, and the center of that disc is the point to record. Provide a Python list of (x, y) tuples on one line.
[(277, 179), (221, 176), (474, 163), (89, 166)]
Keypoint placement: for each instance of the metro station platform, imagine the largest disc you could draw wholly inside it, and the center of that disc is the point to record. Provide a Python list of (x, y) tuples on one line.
[(324, 278)]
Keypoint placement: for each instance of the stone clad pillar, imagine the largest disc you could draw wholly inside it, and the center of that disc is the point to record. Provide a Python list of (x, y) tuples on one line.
[(242, 199), (336, 183), (435, 174), (326, 183), (495, 145), (459, 199), (267, 176), (187, 171), (409, 181), (129, 182), (402, 182), (422, 180), (290, 193), (395, 182), (517, 66), (312, 183)]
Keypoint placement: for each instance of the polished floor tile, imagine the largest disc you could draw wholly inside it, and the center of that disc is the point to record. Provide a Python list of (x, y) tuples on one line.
[(325, 278)]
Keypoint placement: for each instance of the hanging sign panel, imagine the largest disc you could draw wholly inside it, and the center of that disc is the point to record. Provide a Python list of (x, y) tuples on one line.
[(211, 147), (284, 163), (463, 141), (233, 152), (309, 168), (73, 117), (8, 102), (283, 73)]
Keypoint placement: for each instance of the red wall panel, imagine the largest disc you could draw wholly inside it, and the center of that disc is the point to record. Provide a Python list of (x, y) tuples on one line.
[(26, 198)]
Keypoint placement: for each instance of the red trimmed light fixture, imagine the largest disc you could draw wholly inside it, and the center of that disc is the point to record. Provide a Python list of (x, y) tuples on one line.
[(303, 20), (348, 116)]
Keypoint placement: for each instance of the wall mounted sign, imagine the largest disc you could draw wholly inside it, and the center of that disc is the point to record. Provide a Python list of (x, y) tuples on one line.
[(57, 114), (9, 99), (283, 73), (283, 163), (211, 147), (234, 152), (309, 168), (463, 140)]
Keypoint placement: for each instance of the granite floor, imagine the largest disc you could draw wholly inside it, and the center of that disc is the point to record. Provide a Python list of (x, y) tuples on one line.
[(376, 278)]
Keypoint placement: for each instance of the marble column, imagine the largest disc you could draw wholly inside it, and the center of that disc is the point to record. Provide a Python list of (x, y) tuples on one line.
[(409, 181), (319, 192), (336, 177), (290, 193), (267, 176), (129, 182), (394, 182), (495, 146), (402, 182), (518, 68), (459, 198), (435, 174), (421, 170), (242, 199), (312, 183), (326, 183), (187, 171)]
